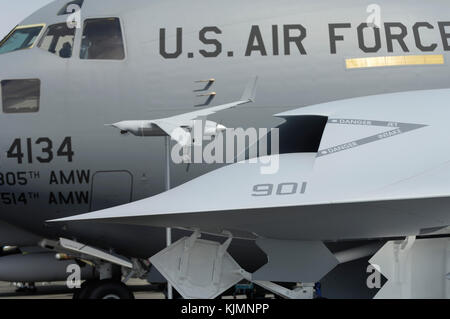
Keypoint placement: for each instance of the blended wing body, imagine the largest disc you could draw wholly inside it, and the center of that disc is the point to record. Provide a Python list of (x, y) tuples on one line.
[(380, 171)]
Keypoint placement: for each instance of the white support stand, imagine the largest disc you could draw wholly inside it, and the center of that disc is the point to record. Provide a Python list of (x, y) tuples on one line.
[(302, 291), (204, 269), (85, 250), (414, 268), (167, 184), (198, 268)]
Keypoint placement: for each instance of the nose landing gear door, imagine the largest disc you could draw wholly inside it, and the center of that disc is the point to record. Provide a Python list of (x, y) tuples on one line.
[(111, 188)]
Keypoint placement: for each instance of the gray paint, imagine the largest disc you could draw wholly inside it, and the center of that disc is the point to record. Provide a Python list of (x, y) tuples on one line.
[(79, 96), (300, 261), (39, 267)]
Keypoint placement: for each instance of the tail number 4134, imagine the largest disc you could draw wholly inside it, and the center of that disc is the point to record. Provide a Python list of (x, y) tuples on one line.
[(42, 150)]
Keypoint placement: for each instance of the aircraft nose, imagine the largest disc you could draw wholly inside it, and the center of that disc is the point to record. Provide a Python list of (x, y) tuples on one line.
[(127, 126)]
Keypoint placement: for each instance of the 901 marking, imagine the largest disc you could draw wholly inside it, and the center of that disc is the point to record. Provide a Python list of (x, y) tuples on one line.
[(281, 189), (46, 151)]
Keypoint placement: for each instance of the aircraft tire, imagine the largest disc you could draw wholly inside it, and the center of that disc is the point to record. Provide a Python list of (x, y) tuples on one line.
[(76, 294), (85, 290), (110, 289)]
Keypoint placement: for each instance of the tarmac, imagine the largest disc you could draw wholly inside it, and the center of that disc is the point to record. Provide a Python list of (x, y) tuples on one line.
[(59, 290)]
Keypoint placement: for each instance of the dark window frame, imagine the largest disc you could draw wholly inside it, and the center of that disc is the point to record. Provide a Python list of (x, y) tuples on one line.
[(7, 110), (45, 33), (122, 35), (42, 27)]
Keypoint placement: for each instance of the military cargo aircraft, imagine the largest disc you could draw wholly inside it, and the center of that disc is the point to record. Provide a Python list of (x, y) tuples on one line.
[(74, 66)]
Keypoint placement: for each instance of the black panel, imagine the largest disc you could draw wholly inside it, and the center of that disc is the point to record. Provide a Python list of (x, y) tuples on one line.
[(301, 134)]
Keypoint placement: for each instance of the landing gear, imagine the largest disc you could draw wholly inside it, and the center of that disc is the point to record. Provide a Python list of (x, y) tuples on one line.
[(111, 289), (216, 271), (85, 290), (103, 289)]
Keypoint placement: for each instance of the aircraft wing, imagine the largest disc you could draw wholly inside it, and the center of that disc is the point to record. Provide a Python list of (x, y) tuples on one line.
[(175, 130), (361, 183), (250, 206)]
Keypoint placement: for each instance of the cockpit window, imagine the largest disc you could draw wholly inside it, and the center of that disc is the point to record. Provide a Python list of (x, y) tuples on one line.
[(68, 7), (58, 39), (20, 38), (102, 40), (21, 96)]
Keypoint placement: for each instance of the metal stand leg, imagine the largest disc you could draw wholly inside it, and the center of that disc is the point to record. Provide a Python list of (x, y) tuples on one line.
[(168, 230)]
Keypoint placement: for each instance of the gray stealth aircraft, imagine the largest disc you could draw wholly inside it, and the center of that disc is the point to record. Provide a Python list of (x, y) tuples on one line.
[(152, 59)]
